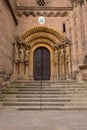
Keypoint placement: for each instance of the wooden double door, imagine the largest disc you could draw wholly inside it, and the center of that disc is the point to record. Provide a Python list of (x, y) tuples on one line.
[(41, 64)]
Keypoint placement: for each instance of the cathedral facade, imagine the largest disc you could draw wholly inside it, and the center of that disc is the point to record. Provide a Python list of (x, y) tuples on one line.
[(44, 39)]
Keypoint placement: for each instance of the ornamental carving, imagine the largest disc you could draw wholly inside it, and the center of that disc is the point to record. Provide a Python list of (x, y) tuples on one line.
[(38, 32), (43, 13)]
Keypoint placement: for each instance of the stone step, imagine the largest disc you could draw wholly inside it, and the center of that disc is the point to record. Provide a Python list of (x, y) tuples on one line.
[(38, 108), (44, 104), (46, 107), (36, 100), (44, 92), (52, 85), (51, 96), (43, 84), (53, 109), (20, 91), (43, 99), (47, 89), (46, 82), (50, 100), (45, 96), (62, 86)]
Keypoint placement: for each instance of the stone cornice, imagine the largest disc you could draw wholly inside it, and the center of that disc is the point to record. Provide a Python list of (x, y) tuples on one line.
[(43, 11)]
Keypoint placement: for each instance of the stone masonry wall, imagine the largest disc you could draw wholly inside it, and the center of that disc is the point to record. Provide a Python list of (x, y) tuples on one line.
[(7, 34), (56, 23), (51, 3), (84, 9), (78, 23)]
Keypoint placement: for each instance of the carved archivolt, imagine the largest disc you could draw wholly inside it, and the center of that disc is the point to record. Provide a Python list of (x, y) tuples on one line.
[(40, 35), (43, 32)]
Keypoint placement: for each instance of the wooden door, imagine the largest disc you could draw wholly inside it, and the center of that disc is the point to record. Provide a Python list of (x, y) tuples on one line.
[(41, 64)]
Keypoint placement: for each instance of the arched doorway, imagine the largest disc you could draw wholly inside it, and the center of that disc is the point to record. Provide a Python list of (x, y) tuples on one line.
[(43, 60), (41, 64)]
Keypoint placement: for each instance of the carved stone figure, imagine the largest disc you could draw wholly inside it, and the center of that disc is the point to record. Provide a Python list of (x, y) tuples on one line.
[(16, 53), (67, 54), (26, 55), (62, 54), (21, 52), (56, 55)]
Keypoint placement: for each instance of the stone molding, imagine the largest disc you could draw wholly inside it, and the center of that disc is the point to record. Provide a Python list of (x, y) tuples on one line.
[(43, 11)]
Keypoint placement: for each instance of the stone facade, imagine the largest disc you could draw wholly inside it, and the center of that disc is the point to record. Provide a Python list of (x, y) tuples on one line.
[(67, 19), (7, 34)]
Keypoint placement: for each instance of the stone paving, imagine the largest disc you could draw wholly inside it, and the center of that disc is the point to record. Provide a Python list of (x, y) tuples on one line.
[(43, 120)]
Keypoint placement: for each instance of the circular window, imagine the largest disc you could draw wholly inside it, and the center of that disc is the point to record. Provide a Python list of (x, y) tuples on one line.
[(41, 20), (41, 2)]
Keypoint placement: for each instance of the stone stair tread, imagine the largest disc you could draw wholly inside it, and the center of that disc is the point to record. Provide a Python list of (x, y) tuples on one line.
[(37, 86), (52, 109), (47, 95), (38, 103), (43, 99), (48, 89)]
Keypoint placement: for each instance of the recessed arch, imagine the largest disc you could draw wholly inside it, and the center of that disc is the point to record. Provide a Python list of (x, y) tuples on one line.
[(51, 58)]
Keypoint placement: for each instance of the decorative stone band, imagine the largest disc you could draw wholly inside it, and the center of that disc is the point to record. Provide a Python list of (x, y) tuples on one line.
[(43, 13)]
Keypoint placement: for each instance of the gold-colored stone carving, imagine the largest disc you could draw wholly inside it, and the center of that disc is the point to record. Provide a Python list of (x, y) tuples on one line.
[(21, 54), (16, 53), (26, 55), (56, 55)]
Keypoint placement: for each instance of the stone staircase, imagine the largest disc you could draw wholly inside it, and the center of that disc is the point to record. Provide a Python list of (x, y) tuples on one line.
[(46, 95)]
